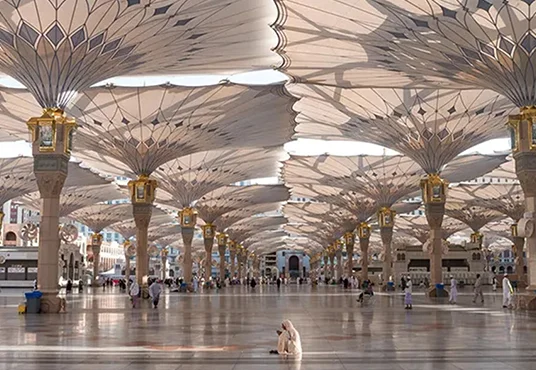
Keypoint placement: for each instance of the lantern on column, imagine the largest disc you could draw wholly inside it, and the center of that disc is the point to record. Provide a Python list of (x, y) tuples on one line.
[(96, 239), (364, 230), (1, 219), (208, 231), (349, 238), (129, 248), (52, 132), (187, 217), (386, 217), (513, 229), (434, 189), (523, 130), (476, 238), (142, 190), (222, 239)]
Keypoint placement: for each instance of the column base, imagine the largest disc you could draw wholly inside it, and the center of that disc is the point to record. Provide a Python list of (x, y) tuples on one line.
[(433, 292), (526, 301), (51, 303)]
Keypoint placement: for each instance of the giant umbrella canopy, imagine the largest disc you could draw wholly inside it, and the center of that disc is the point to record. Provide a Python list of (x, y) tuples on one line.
[(431, 127), (484, 44), (187, 179), (227, 199), (57, 49), (135, 131)]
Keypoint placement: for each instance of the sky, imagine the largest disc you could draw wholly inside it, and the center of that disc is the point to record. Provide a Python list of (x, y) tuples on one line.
[(298, 147)]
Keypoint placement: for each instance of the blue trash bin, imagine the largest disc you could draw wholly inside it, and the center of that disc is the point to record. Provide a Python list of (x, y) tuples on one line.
[(33, 301), (440, 286)]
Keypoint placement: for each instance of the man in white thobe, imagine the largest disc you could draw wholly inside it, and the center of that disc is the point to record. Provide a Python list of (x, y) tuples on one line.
[(507, 292)]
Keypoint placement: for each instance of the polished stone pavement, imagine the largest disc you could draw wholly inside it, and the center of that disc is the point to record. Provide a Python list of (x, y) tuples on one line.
[(234, 329)]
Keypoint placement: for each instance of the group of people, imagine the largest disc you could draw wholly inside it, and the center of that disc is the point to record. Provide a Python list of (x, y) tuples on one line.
[(155, 290)]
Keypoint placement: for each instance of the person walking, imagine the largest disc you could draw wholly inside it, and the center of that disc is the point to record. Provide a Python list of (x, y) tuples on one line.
[(507, 292), (453, 296), (494, 283), (478, 289), (408, 299), (278, 283), (154, 291), (253, 283), (135, 293)]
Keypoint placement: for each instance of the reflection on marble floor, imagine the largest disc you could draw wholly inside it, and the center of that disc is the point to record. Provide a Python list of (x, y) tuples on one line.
[(235, 328)]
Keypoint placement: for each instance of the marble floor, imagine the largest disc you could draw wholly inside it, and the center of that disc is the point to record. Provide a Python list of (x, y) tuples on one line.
[(235, 328)]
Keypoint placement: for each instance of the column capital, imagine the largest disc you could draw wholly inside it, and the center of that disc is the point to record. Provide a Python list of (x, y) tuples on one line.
[(142, 190), (187, 217), (434, 189), (386, 217)]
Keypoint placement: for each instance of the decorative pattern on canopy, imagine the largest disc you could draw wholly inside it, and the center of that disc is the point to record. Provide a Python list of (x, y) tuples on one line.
[(17, 177), (230, 198), (387, 179), (138, 130), (323, 215), (507, 199), (472, 215), (157, 232), (58, 48), (99, 216), (430, 126), (189, 178), (485, 43), (128, 229), (75, 197), (246, 228), (417, 227), (230, 218)]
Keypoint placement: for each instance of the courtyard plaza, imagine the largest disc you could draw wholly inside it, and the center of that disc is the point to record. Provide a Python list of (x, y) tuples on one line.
[(234, 328)]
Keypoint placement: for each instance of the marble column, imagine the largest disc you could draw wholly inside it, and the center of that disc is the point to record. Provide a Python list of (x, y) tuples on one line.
[(326, 266), (434, 215), (208, 240), (232, 257), (386, 234), (364, 246), (142, 218), (187, 238), (96, 263), (519, 244), (350, 241), (221, 251), (340, 265), (332, 265), (127, 267)]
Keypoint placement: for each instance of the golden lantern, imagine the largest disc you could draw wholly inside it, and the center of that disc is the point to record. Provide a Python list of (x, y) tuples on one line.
[(1, 219), (349, 238), (386, 217), (222, 239), (523, 130), (96, 239), (434, 189), (476, 238), (513, 229), (52, 132), (364, 230), (142, 190), (208, 231), (188, 217)]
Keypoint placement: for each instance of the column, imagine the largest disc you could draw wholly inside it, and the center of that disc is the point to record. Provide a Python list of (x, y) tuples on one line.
[(519, 244), (164, 256), (326, 265), (386, 218), (187, 219), (332, 264), (96, 242), (142, 194), (434, 194), (1, 224), (208, 239), (340, 265), (349, 241), (523, 133), (129, 252), (364, 241), (51, 147), (232, 256), (222, 243)]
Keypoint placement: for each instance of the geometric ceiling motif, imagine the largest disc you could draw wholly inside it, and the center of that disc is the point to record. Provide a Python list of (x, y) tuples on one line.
[(417, 227), (359, 205), (132, 131), (128, 228), (97, 217), (158, 232), (232, 197), (230, 218), (507, 199), (318, 235), (430, 126), (400, 43), (187, 179), (323, 215), (17, 177), (247, 228), (386, 179), (56, 48), (74, 198), (471, 214)]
